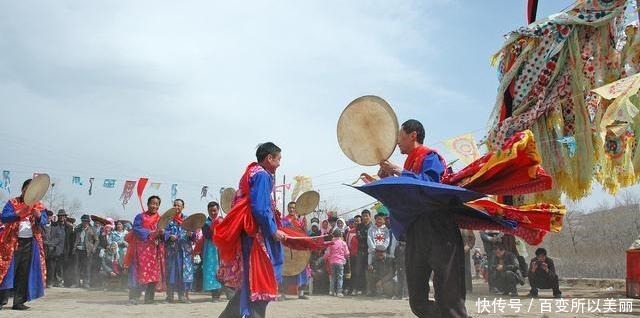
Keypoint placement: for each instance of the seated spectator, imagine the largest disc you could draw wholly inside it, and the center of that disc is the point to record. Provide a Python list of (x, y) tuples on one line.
[(504, 273), (542, 274), (381, 273), (111, 266)]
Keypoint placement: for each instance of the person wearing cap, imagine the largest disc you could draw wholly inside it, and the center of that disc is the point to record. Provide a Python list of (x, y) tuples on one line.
[(65, 267), (86, 243), (55, 251), (434, 244), (21, 251)]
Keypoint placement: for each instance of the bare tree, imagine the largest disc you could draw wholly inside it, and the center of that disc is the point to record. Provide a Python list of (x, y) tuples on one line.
[(627, 197), (572, 221)]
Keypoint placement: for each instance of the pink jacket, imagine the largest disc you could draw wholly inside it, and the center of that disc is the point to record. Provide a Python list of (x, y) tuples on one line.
[(338, 252)]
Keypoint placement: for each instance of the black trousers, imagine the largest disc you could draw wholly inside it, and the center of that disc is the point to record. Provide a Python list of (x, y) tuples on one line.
[(359, 270), (434, 244), (22, 262), (69, 275), (83, 267), (543, 280), (468, 281), (54, 270), (258, 309), (149, 293), (504, 281), (401, 286)]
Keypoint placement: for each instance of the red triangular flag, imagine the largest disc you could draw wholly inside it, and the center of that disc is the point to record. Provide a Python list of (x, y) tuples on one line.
[(142, 183)]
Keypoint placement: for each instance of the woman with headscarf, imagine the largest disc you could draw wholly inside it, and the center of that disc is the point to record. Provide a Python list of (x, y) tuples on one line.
[(117, 236)]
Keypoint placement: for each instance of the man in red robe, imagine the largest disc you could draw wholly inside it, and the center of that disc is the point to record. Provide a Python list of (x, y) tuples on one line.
[(22, 260), (146, 254)]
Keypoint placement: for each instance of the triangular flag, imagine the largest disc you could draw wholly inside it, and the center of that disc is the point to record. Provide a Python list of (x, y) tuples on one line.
[(142, 183), (155, 185)]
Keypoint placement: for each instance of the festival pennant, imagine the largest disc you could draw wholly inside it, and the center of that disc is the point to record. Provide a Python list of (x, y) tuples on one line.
[(142, 183), (91, 185), (464, 147), (127, 191), (6, 180), (155, 185), (109, 183), (303, 184), (76, 181), (174, 191), (203, 192)]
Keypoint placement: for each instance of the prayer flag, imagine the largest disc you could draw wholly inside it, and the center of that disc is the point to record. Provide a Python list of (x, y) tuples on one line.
[(109, 183), (127, 191), (464, 147)]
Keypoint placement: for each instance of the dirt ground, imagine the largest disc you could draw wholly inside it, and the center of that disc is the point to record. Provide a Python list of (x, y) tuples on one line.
[(64, 302)]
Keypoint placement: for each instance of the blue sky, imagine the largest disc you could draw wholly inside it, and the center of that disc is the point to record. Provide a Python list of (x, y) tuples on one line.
[(183, 92)]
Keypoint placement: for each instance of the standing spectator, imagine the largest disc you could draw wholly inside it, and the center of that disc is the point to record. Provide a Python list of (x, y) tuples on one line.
[(504, 272), (401, 271), (336, 255), (352, 243), (68, 255), (378, 239), (469, 241), (477, 260), (342, 226), (46, 235), (542, 274), (361, 263), (86, 243), (210, 261), (55, 248), (490, 239)]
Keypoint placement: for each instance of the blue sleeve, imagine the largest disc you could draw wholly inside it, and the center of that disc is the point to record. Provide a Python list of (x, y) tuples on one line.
[(206, 230), (260, 197), (44, 218), (9, 214), (432, 169), (171, 229), (138, 230)]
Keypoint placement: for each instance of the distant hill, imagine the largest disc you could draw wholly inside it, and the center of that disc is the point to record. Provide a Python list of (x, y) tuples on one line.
[(593, 245)]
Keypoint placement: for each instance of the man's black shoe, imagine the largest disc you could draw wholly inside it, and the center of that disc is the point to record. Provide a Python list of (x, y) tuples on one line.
[(20, 307)]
